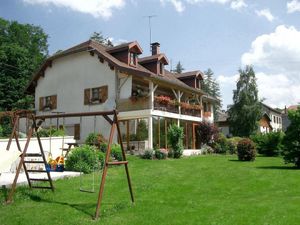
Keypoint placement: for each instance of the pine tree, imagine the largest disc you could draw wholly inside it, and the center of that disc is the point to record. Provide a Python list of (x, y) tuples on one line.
[(245, 112), (179, 68), (98, 36), (211, 86)]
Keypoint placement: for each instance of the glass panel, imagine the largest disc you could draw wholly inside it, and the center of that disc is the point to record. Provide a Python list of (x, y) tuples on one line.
[(155, 121), (162, 132)]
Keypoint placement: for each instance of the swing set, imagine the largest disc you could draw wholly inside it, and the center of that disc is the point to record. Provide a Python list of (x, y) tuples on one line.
[(37, 121)]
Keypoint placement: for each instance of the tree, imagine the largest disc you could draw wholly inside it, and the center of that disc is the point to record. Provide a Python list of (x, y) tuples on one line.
[(245, 112), (291, 140), (211, 86), (179, 68), (98, 36), (23, 47)]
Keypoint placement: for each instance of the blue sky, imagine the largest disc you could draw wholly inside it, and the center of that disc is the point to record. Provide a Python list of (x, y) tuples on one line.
[(223, 35)]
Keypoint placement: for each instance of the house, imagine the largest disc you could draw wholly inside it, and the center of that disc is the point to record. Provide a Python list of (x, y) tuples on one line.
[(271, 120), (91, 77), (285, 119)]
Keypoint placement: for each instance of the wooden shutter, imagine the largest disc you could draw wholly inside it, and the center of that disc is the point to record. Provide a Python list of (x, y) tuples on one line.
[(53, 100), (41, 104), (87, 96), (77, 131), (104, 93)]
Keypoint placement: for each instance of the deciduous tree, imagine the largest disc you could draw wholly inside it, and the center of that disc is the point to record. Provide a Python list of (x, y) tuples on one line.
[(245, 112)]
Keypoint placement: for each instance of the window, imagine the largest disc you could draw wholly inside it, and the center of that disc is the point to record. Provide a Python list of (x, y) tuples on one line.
[(48, 103), (132, 58), (95, 95)]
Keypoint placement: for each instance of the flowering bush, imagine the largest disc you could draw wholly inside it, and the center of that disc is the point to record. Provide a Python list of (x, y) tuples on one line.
[(165, 100)]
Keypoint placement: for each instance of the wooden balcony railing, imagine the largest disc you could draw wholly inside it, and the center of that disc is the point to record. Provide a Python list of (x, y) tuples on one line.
[(191, 112), (169, 107), (133, 104)]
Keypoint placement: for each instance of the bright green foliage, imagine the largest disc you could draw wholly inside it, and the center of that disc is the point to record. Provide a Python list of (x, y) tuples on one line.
[(142, 131), (245, 112), (221, 144), (95, 139), (148, 154), (232, 144), (52, 131), (211, 86), (292, 139), (23, 47), (175, 138), (269, 144), (246, 150), (1, 131), (116, 152), (85, 158)]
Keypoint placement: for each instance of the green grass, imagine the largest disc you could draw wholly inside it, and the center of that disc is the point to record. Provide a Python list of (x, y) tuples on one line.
[(196, 190)]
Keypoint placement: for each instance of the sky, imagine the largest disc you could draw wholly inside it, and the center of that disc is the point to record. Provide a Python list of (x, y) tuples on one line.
[(224, 35)]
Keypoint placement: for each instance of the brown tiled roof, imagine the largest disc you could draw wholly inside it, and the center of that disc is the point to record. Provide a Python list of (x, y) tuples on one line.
[(154, 58), (189, 74), (101, 50), (127, 45), (293, 107)]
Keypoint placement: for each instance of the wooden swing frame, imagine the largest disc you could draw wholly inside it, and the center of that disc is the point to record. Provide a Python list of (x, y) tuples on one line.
[(41, 118)]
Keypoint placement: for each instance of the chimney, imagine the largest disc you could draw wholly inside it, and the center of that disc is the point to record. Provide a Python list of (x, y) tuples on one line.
[(285, 110), (155, 48)]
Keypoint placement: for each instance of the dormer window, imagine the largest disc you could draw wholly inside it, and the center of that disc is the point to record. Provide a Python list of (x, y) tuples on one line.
[(132, 58)]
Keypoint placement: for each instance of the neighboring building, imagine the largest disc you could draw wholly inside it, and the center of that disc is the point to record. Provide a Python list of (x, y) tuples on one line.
[(271, 120), (285, 119), (92, 77)]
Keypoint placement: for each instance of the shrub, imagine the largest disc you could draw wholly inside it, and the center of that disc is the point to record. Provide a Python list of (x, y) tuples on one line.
[(1, 131), (232, 144), (142, 131), (95, 139), (206, 132), (103, 147), (84, 158), (221, 144), (101, 159), (246, 150), (206, 149), (175, 137), (160, 154), (52, 131), (269, 144), (116, 152), (291, 140), (148, 154)]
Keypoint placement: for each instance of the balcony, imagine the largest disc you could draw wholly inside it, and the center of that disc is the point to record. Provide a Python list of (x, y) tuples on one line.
[(133, 104), (164, 103), (190, 109)]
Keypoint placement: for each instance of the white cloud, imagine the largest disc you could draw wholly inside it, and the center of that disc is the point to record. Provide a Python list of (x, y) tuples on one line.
[(180, 4), (278, 51), (97, 8), (238, 4), (277, 89), (265, 13), (293, 6)]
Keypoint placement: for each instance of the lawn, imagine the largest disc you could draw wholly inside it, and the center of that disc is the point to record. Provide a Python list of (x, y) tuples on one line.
[(195, 190)]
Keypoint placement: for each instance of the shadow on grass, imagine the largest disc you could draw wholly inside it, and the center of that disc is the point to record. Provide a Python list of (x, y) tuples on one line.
[(277, 168), (85, 208)]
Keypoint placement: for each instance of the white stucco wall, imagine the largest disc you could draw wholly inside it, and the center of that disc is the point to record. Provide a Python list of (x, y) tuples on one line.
[(67, 78)]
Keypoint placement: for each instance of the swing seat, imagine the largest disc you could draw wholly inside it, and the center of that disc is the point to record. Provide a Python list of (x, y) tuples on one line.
[(7, 158)]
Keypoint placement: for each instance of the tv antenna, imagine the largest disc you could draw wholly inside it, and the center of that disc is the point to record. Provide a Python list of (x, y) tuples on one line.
[(149, 23)]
